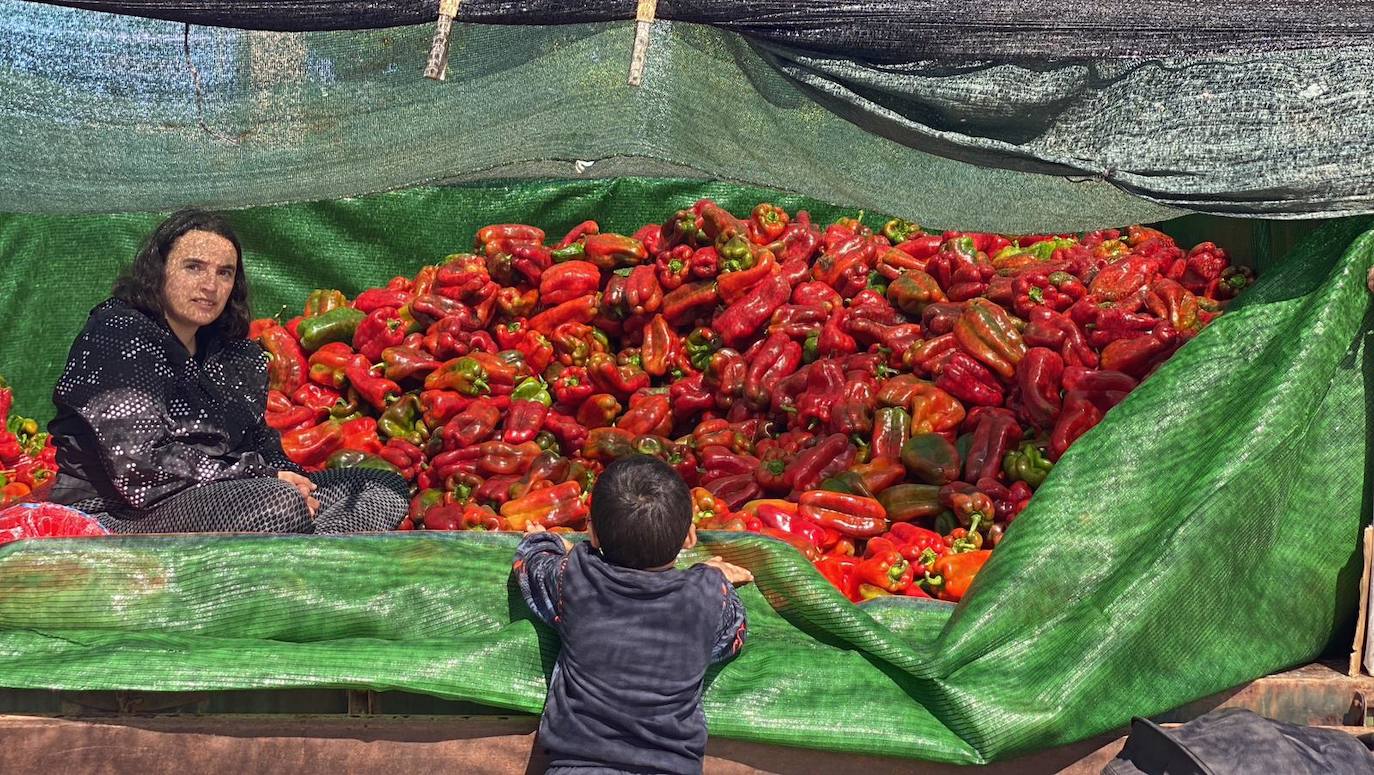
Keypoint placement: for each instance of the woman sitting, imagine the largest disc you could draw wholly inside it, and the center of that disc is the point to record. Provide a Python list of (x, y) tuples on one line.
[(159, 425)]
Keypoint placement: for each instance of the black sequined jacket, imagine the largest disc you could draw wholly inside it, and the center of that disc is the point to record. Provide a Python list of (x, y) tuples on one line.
[(139, 419)]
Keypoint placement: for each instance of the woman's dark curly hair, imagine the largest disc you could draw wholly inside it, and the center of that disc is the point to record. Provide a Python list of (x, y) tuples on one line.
[(140, 284)]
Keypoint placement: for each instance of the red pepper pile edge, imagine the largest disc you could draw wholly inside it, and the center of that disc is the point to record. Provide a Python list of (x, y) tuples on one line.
[(28, 459), (886, 402)]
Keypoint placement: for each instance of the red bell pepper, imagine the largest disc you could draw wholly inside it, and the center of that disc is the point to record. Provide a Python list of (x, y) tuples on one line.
[(746, 316), (851, 515), (995, 432), (1039, 376), (598, 411), (560, 505), (474, 424), (967, 379), (582, 309), (286, 364), (885, 568), (309, 447), (1078, 417), (689, 302)]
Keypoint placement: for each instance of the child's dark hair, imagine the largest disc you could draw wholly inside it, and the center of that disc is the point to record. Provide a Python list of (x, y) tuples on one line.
[(641, 512)]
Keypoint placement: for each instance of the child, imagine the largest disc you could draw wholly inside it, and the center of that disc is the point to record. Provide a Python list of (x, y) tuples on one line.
[(637, 635)]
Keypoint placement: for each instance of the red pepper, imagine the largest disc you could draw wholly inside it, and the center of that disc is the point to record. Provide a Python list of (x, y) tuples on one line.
[(660, 347), (524, 421), (689, 302), (310, 447), (382, 328), (286, 365), (404, 362), (967, 379), (566, 282), (1077, 418), (376, 390), (572, 386), (734, 285), (767, 223), (607, 444), (609, 251), (776, 358), (825, 386), (509, 231), (1137, 355), (742, 319), (498, 457), (318, 398), (643, 295), (578, 232), (582, 309), (806, 469), (598, 411), (930, 356), (995, 432), (851, 515), (474, 424), (440, 406), (734, 490), (796, 525), (374, 299), (614, 378), (720, 461), (281, 419), (361, 434), (560, 505), (1040, 375), (649, 413), (885, 568), (841, 571), (673, 268), (570, 433)]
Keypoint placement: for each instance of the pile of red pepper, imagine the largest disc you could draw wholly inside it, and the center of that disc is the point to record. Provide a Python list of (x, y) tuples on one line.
[(886, 402), (28, 459)]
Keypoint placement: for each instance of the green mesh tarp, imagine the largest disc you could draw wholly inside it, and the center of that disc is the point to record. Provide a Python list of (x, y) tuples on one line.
[(1203, 535), (103, 114)]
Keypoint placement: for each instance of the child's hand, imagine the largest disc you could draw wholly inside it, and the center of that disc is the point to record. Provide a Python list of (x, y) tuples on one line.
[(534, 527), (733, 573)]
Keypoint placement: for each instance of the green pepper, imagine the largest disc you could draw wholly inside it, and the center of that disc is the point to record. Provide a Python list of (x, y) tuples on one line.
[(532, 389), (736, 255), (899, 230), (336, 325), (811, 348), (700, 345), (352, 458), (1028, 463), (931, 458), (905, 502), (849, 482), (402, 420)]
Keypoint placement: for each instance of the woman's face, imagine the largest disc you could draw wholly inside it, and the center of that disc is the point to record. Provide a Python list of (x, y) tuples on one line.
[(197, 279)]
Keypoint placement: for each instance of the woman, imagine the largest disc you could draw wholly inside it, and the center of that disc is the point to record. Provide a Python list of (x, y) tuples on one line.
[(159, 425)]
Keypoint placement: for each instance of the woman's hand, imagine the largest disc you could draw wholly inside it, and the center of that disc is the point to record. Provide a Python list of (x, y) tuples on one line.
[(305, 486), (1369, 280)]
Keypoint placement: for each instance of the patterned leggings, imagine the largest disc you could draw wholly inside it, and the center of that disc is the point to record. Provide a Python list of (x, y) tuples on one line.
[(351, 501)]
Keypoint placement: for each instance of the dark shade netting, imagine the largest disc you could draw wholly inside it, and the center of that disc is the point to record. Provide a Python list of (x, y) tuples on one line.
[(1015, 120), (875, 30), (1203, 535)]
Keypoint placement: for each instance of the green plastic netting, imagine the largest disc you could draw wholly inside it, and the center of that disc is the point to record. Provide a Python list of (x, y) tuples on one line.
[(1203, 535)]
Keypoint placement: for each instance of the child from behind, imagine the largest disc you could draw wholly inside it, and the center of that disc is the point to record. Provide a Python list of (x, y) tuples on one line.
[(637, 635)]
